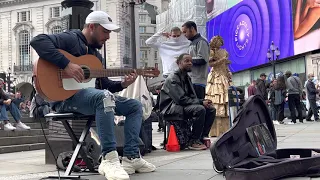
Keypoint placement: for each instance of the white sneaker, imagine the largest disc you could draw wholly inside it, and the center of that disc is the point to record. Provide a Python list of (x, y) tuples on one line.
[(22, 126), (275, 122), (289, 123), (8, 127), (111, 168), (137, 165)]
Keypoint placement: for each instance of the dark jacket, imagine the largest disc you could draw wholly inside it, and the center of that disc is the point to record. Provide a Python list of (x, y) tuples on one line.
[(3, 97), (311, 90), (75, 43), (17, 101), (262, 89), (176, 93), (272, 95)]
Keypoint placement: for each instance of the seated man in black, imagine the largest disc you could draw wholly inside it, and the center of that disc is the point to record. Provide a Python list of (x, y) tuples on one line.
[(178, 101)]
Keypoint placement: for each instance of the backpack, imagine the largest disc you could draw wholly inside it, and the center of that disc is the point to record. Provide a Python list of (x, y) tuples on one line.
[(79, 165), (248, 150)]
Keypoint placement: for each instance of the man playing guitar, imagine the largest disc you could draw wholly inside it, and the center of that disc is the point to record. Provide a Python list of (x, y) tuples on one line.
[(97, 101)]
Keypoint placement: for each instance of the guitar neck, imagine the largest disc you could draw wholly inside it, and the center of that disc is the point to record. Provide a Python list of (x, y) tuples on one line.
[(97, 73)]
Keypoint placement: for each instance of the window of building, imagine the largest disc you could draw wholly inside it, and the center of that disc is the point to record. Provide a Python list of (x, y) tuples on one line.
[(142, 29), (23, 16), (142, 42), (155, 54), (142, 18), (143, 54), (55, 12), (24, 49), (56, 30)]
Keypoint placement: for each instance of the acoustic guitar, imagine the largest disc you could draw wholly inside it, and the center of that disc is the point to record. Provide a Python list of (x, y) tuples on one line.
[(53, 84)]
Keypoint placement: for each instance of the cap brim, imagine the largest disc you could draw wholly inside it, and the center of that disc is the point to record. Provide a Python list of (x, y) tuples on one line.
[(111, 27)]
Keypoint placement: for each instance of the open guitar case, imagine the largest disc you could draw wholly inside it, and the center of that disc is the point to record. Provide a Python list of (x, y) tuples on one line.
[(248, 150)]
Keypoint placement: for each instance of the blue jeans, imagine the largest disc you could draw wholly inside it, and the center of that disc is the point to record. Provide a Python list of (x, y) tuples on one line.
[(90, 102), (15, 112)]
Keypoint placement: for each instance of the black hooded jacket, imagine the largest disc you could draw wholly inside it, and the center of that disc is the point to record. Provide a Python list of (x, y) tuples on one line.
[(177, 92)]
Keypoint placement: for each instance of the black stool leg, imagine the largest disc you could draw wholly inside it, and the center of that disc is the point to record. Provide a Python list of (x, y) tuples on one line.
[(164, 133), (79, 143), (79, 149)]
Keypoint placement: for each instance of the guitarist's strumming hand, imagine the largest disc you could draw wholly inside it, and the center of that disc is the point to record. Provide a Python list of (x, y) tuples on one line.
[(129, 79), (75, 71)]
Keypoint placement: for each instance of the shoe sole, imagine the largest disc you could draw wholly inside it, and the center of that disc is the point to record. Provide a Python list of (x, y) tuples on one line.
[(110, 178), (198, 149), (146, 170), (130, 172)]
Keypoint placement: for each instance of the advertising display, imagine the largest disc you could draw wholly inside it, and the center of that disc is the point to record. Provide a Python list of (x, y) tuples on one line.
[(249, 28), (306, 25), (216, 7)]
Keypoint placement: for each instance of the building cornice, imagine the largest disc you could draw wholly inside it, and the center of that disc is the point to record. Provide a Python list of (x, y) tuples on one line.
[(8, 3)]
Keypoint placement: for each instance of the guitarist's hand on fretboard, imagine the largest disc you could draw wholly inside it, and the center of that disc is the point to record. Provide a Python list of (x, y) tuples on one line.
[(129, 79), (75, 71)]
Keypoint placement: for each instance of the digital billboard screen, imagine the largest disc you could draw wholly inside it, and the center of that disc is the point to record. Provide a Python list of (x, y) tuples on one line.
[(216, 7), (249, 28), (306, 25)]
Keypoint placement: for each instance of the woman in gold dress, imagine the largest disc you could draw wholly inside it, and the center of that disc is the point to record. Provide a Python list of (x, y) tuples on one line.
[(218, 83)]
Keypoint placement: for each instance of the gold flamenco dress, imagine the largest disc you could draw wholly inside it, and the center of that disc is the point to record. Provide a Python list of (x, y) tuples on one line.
[(218, 82)]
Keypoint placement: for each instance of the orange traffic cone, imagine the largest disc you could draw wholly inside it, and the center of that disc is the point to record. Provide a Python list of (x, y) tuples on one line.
[(173, 144)]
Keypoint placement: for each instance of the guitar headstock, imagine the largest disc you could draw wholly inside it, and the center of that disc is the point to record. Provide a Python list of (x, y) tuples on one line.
[(149, 72)]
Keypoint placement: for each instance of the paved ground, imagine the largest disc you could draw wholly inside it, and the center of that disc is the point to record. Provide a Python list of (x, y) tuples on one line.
[(184, 165)]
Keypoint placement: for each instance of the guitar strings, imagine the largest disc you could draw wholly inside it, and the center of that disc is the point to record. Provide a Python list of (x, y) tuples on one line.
[(106, 72)]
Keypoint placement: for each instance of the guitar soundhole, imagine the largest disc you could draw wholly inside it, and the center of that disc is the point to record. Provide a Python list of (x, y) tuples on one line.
[(86, 72)]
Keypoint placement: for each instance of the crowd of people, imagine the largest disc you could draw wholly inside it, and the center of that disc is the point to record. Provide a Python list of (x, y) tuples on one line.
[(17, 105), (193, 99), (185, 99), (288, 89), (193, 96)]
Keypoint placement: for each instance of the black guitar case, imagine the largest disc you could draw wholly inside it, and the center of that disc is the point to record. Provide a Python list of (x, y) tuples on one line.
[(248, 151)]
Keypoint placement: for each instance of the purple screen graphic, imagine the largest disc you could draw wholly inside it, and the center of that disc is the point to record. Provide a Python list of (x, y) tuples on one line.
[(248, 29)]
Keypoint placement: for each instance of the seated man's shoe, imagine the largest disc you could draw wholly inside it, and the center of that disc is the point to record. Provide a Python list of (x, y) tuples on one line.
[(137, 165), (22, 126), (111, 168), (8, 127), (197, 145)]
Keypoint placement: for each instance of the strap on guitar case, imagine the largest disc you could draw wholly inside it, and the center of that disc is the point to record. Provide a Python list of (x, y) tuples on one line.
[(248, 150)]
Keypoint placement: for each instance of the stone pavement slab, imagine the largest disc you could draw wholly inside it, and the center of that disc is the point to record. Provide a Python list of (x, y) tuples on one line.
[(184, 165), (23, 163)]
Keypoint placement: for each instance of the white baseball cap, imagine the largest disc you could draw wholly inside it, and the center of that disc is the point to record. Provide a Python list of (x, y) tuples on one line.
[(102, 18)]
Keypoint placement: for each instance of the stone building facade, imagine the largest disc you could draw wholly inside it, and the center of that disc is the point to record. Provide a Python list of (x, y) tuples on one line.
[(21, 20)]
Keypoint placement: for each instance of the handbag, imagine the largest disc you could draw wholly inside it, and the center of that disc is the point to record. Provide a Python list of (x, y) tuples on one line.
[(139, 91)]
